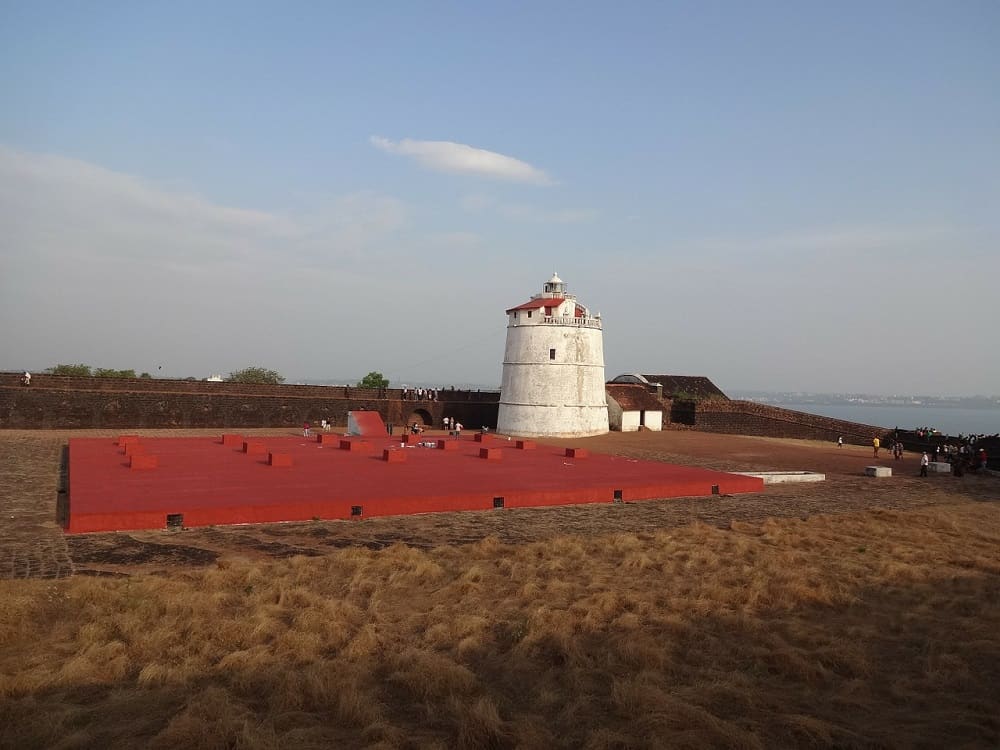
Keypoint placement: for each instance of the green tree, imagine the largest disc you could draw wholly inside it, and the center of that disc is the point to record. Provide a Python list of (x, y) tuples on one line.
[(259, 375), (145, 375), (374, 380), (107, 372), (76, 371)]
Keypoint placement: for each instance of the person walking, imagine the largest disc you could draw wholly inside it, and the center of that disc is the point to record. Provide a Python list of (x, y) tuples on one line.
[(875, 445), (840, 441), (924, 460)]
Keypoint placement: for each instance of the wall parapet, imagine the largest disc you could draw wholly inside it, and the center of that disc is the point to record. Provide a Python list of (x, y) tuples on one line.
[(752, 418), (72, 403)]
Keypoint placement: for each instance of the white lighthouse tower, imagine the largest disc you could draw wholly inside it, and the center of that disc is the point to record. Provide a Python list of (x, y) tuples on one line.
[(553, 368)]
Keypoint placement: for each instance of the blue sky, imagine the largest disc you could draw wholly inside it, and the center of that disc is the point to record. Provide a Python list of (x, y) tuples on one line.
[(781, 196)]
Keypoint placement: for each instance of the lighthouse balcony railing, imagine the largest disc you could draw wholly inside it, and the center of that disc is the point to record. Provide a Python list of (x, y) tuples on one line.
[(569, 320)]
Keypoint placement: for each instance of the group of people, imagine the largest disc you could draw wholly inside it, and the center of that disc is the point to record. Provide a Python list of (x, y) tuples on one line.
[(325, 424), (421, 394), (895, 445), (965, 456), (974, 461)]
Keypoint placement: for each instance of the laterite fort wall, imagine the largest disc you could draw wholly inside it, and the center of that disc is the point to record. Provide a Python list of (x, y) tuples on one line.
[(750, 418), (66, 403), (53, 402)]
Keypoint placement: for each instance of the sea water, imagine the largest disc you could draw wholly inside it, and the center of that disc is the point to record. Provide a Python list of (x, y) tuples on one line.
[(948, 420)]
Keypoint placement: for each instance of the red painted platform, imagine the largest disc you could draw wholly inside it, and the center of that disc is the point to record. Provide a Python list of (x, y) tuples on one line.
[(210, 483)]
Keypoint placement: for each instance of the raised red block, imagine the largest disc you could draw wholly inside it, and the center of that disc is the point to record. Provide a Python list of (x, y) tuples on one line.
[(356, 446), (279, 459), (328, 438), (123, 440), (491, 454), (142, 461), (577, 453), (483, 437), (254, 447), (393, 456), (231, 439), (526, 445), (133, 448), (447, 445)]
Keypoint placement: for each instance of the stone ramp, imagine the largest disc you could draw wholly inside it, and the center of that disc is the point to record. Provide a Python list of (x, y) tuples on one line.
[(365, 424)]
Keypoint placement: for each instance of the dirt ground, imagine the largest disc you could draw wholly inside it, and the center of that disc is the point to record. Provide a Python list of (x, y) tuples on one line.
[(34, 546)]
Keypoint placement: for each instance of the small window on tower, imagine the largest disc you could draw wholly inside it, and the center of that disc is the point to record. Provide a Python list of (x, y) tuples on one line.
[(529, 313), (552, 353)]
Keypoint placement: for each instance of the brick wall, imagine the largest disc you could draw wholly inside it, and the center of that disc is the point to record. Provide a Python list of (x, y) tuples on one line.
[(52, 403), (66, 402), (750, 418)]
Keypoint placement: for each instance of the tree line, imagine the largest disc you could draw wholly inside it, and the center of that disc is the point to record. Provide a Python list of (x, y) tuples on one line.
[(252, 375)]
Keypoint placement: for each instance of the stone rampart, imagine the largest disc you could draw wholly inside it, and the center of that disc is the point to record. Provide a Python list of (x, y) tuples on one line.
[(751, 418), (68, 403), (58, 402)]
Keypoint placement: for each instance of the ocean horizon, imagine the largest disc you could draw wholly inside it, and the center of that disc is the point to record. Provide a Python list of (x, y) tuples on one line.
[(945, 419)]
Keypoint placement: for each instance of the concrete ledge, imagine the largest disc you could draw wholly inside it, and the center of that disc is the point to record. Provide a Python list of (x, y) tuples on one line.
[(356, 446), (785, 477), (939, 467), (878, 471)]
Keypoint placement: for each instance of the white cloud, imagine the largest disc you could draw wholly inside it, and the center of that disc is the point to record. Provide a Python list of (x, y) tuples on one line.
[(458, 158), (100, 266), (58, 208)]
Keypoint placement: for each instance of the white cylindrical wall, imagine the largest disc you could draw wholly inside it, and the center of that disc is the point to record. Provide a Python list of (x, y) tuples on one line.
[(553, 380)]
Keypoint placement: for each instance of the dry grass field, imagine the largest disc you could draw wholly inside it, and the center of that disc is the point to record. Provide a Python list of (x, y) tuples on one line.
[(853, 613)]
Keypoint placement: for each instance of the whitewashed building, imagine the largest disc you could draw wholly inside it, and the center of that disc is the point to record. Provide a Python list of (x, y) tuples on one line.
[(633, 407), (553, 368)]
